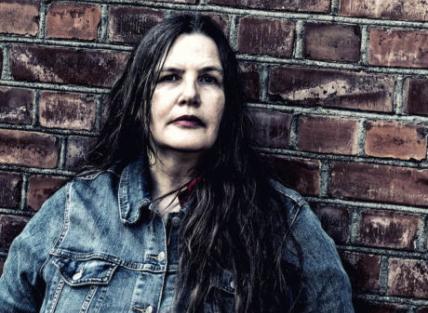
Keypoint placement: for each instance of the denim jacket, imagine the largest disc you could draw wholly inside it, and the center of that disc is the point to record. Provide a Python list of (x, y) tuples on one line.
[(92, 249)]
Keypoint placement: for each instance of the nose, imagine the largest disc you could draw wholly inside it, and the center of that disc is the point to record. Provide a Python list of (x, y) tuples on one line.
[(190, 92)]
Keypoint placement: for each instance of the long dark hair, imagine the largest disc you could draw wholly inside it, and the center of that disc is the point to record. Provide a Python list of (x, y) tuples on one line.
[(236, 219)]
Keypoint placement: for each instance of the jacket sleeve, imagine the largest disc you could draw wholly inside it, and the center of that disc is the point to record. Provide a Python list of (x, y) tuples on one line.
[(21, 284), (325, 284)]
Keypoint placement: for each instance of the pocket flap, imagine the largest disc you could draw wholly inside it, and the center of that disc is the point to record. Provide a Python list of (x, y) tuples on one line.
[(225, 281), (85, 272)]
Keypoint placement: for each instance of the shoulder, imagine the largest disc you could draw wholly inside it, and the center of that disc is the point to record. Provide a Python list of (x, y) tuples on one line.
[(294, 204), (326, 285)]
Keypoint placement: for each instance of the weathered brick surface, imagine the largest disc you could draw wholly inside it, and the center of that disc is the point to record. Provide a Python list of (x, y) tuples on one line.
[(395, 140), (270, 128), (363, 270), (10, 227), (389, 229), (40, 188), (77, 148), (265, 36), (416, 96), (129, 24), (334, 220), (289, 5), (379, 183), (28, 148), (329, 88), (251, 78), (416, 10), (71, 66), (327, 135), (73, 20), (408, 278), (10, 190), (67, 110), (398, 47), (300, 174), (365, 306), (19, 17), (16, 105), (332, 42)]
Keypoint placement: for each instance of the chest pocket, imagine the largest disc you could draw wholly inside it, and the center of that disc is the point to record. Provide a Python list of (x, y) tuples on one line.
[(222, 294), (79, 285)]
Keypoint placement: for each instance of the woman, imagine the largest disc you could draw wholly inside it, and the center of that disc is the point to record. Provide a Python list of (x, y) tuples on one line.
[(175, 212)]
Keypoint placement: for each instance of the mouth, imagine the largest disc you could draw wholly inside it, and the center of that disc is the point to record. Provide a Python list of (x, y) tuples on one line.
[(188, 121)]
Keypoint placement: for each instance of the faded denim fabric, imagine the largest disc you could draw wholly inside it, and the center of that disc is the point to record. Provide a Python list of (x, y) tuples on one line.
[(95, 247)]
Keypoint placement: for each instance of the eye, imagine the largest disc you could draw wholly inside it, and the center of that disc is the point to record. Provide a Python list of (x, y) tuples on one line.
[(209, 79), (169, 78)]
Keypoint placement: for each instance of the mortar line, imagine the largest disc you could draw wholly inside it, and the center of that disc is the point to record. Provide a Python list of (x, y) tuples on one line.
[(364, 49), (299, 40), (103, 30), (398, 95), (24, 190), (270, 13)]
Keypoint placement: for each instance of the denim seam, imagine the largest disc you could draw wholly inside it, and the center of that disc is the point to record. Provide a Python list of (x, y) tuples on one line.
[(56, 296)]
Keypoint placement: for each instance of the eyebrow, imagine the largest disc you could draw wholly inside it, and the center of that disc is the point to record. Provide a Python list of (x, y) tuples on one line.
[(202, 70)]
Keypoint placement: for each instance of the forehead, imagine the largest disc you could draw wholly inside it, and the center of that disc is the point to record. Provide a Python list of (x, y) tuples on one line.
[(193, 50)]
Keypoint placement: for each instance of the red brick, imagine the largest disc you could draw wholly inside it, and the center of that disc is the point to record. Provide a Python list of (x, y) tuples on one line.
[(398, 47), (28, 148), (302, 175), (265, 36), (77, 149), (334, 220), (73, 20), (395, 140), (332, 42), (379, 183), (19, 17), (16, 105), (10, 186), (40, 188), (415, 96), (270, 128), (408, 278), (365, 306), (415, 10), (363, 270), (289, 5), (329, 88), (389, 229), (251, 78), (327, 135), (130, 24), (69, 66), (10, 227), (67, 110)]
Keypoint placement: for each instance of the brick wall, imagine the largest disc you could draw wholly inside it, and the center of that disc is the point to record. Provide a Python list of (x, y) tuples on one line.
[(338, 89)]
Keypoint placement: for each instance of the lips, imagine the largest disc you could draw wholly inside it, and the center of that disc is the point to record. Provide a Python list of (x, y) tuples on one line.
[(188, 121)]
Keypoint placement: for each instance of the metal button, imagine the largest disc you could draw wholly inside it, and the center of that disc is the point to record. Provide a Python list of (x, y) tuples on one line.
[(149, 309), (78, 275), (232, 284), (176, 221), (161, 256)]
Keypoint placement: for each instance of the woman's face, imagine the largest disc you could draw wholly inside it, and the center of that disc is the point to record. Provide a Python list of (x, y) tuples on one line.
[(188, 100)]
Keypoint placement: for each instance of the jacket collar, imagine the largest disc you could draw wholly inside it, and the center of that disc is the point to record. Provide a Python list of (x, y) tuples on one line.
[(134, 191)]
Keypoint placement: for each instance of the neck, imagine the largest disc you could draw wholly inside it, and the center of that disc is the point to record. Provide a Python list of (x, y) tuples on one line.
[(170, 170)]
